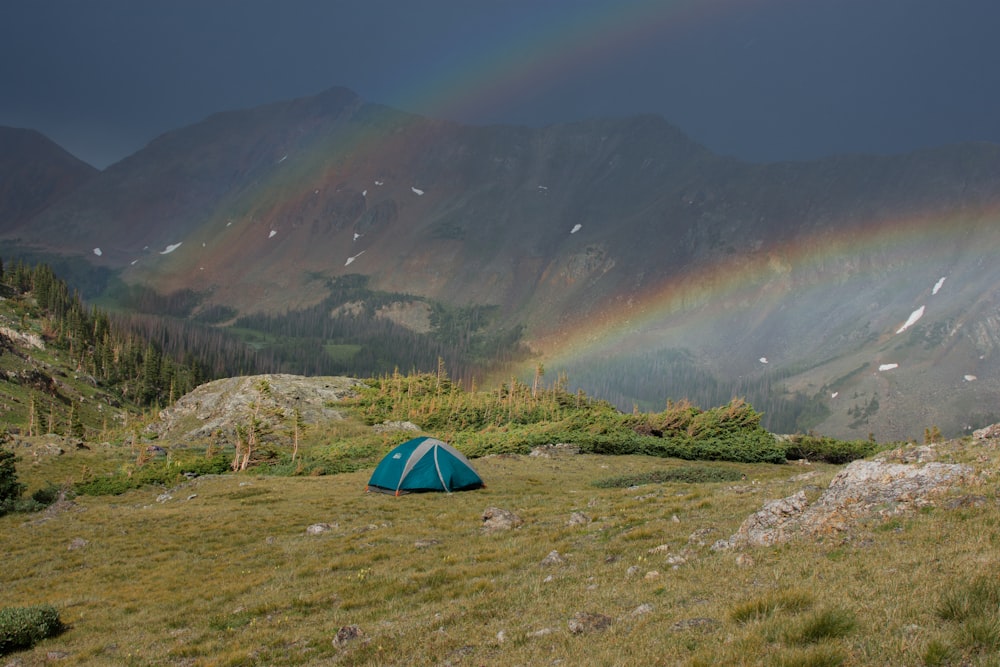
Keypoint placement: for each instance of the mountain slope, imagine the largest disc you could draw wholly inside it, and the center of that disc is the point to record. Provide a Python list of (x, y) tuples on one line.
[(641, 263), (34, 173)]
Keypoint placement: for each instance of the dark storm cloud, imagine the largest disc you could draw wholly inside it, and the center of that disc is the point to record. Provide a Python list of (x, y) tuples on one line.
[(761, 79)]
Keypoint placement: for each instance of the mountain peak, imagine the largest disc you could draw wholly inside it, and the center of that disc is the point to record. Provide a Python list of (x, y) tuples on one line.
[(34, 173)]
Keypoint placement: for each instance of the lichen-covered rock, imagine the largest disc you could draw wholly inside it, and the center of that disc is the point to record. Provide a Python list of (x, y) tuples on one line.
[(217, 407), (769, 525), (495, 519), (991, 432), (862, 489)]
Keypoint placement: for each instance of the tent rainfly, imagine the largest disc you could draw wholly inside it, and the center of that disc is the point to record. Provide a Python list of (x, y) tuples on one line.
[(424, 464)]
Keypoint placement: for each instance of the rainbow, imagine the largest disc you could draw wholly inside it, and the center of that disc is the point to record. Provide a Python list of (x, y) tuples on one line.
[(553, 46), (938, 245)]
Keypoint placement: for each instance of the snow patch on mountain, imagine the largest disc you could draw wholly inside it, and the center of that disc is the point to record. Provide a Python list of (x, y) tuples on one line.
[(911, 320), (938, 285), (170, 248), (417, 191), (98, 252), (887, 367), (577, 227)]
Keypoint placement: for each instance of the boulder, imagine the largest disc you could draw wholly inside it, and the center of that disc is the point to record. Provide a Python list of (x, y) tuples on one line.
[(863, 489)]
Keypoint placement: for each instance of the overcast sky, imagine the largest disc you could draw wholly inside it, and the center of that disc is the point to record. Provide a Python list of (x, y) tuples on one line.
[(759, 79)]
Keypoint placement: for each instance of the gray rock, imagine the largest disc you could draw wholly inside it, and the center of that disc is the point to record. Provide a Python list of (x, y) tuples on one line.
[(553, 559), (389, 426), (585, 622), (496, 519), (319, 528), (862, 489), (217, 407), (556, 450), (991, 432), (768, 525), (642, 609)]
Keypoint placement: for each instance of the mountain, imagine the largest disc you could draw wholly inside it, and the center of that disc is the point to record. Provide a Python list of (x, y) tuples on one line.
[(34, 173), (851, 295)]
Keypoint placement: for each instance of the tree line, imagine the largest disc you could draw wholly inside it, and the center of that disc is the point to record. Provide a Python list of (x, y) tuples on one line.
[(146, 360), (161, 348)]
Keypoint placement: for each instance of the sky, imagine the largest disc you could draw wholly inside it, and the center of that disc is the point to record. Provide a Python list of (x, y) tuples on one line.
[(762, 80)]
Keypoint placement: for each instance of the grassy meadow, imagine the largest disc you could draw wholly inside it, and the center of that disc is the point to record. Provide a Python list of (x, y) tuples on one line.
[(220, 570)]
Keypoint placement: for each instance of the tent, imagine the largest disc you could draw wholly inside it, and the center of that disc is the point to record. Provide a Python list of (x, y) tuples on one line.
[(424, 464)]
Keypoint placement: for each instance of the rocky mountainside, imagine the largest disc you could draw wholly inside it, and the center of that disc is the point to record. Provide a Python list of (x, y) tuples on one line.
[(859, 291)]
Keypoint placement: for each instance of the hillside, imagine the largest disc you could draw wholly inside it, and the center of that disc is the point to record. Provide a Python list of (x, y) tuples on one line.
[(602, 558), (34, 174), (617, 251)]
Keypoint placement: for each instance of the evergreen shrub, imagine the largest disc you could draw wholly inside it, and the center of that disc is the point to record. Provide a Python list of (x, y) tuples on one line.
[(684, 474), (23, 627), (831, 450)]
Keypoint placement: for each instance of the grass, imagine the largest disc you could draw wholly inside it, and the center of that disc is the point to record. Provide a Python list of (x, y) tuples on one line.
[(224, 573)]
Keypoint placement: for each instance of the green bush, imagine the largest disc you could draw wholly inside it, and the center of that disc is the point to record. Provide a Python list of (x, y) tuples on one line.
[(750, 448), (46, 495), (22, 627), (685, 474), (160, 473), (831, 450), (109, 485)]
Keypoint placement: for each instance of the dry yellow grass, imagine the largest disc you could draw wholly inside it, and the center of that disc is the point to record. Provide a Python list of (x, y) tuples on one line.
[(224, 573)]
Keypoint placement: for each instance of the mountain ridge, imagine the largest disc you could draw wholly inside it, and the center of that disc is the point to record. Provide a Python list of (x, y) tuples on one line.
[(606, 239)]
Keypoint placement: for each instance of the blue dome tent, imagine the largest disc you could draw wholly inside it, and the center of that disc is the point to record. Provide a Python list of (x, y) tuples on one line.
[(424, 464)]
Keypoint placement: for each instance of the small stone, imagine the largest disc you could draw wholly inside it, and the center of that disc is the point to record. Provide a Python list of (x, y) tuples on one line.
[(423, 544), (77, 543), (553, 559), (495, 519), (744, 560), (347, 634), (585, 621), (318, 528), (578, 519), (676, 561), (703, 624), (642, 609), (652, 575), (164, 497)]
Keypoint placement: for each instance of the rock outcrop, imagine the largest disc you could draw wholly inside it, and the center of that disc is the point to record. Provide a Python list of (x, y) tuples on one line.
[(862, 489), (218, 406)]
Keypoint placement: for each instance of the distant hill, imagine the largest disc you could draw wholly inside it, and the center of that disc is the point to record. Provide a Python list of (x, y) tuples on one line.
[(851, 295), (34, 173)]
